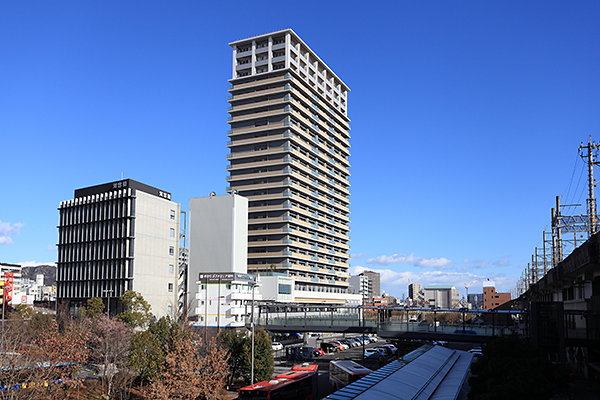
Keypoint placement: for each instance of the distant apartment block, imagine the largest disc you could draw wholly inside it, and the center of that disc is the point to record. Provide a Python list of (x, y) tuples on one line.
[(115, 237), (367, 284), (415, 294), (359, 284), (491, 298), (374, 283), (289, 143)]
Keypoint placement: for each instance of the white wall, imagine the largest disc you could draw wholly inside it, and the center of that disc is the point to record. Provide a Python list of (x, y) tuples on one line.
[(151, 275), (218, 237)]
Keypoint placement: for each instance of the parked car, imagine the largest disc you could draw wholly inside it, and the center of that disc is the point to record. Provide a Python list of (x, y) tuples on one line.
[(341, 345), (477, 353), (384, 349), (390, 346), (329, 348), (375, 353), (315, 352), (277, 346)]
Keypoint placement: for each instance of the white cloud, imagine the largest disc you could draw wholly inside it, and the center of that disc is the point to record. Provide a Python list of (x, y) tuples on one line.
[(357, 256), (5, 240), (396, 282), (51, 247), (411, 259), (7, 230), (501, 263), (35, 263)]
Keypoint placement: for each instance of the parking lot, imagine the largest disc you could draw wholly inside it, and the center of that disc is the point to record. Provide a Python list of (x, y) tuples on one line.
[(283, 364)]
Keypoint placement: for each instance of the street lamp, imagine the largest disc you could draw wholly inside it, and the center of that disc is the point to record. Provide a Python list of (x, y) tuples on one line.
[(252, 327)]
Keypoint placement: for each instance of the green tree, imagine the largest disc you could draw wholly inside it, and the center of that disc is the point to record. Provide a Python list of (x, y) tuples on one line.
[(263, 357), (146, 356), (21, 311), (92, 309), (165, 329), (137, 310), (234, 342)]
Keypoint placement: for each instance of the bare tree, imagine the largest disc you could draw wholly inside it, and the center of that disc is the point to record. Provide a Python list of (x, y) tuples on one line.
[(109, 343)]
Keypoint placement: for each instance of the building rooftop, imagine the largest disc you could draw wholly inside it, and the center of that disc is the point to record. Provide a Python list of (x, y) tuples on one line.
[(297, 38), (440, 287)]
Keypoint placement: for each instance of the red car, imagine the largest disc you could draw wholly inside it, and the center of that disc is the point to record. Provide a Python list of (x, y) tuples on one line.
[(314, 351)]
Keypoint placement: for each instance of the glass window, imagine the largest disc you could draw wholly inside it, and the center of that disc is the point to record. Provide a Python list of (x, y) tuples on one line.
[(171, 268), (171, 250), (172, 214), (285, 289), (172, 232), (170, 288)]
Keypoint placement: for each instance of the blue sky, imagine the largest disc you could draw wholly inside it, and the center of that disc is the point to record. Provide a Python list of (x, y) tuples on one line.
[(466, 117)]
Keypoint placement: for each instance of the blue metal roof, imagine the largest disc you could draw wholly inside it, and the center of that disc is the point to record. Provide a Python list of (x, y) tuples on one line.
[(430, 372)]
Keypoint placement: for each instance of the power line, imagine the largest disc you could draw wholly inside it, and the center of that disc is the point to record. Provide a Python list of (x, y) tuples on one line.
[(572, 176)]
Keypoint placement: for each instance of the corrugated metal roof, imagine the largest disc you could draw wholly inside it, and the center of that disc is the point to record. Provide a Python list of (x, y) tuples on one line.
[(429, 372)]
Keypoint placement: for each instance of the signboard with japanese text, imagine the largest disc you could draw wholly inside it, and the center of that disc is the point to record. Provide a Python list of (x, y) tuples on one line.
[(224, 277)]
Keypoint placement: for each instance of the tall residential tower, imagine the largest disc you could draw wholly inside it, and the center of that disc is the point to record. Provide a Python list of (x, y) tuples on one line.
[(289, 144)]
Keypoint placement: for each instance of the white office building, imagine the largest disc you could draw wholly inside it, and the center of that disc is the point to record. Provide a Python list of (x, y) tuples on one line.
[(116, 237)]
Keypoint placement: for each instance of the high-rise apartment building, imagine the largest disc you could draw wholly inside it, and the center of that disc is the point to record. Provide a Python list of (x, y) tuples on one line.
[(289, 145), (116, 237)]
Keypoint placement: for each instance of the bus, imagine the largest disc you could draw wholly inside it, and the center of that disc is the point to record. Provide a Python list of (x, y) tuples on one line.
[(296, 384), (345, 372)]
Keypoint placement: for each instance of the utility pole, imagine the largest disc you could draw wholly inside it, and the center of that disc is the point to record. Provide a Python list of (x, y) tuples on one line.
[(545, 258), (591, 201)]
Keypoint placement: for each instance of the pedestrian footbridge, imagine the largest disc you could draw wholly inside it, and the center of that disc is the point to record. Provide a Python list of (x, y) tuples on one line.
[(390, 323)]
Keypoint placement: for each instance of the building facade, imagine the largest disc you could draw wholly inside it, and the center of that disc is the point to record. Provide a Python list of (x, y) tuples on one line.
[(367, 284), (491, 298), (218, 237), (416, 294), (10, 277), (224, 299), (289, 143), (374, 284), (442, 296), (475, 299), (116, 237), (359, 284)]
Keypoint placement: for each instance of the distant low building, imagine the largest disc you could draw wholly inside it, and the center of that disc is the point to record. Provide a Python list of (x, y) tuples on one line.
[(491, 298), (442, 296), (10, 275), (475, 299)]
